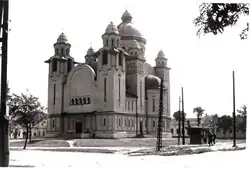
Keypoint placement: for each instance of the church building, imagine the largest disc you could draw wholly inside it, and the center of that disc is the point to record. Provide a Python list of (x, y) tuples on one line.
[(114, 94)]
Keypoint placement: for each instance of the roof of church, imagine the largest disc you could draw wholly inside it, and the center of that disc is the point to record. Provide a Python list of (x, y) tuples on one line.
[(62, 38)]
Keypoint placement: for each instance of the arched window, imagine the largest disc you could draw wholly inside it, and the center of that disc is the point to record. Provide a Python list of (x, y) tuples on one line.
[(53, 123), (54, 65), (56, 51), (153, 105), (119, 122), (62, 51), (67, 51), (80, 100), (84, 100), (120, 59), (72, 102), (153, 123), (88, 100), (43, 133), (112, 42), (105, 58), (69, 64), (104, 121), (76, 101)]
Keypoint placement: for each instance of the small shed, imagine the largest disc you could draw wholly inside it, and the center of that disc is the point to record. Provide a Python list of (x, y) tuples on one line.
[(198, 135)]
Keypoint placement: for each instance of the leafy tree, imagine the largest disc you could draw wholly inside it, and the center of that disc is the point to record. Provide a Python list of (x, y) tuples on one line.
[(215, 17), (199, 112), (26, 111), (177, 114), (242, 118), (225, 122)]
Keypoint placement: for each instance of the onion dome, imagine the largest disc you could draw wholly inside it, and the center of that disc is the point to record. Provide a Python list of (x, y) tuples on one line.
[(152, 82), (161, 54), (126, 16), (62, 39), (111, 29), (90, 51)]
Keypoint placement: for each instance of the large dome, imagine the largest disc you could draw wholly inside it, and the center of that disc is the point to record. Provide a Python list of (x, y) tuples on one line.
[(127, 28)]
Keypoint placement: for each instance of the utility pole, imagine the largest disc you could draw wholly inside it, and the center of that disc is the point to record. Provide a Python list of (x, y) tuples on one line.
[(234, 117), (159, 131), (136, 116), (4, 122), (179, 122), (183, 118)]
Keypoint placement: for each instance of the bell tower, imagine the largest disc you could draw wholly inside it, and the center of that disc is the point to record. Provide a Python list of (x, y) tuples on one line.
[(111, 72), (162, 71), (59, 67)]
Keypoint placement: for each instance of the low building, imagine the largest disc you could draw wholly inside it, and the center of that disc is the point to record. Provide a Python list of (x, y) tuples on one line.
[(38, 131)]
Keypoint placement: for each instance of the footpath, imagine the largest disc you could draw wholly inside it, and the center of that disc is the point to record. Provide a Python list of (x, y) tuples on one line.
[(216, 147)]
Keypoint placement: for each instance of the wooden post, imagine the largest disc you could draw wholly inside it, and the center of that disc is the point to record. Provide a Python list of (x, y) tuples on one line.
[(183, 118), (179, 122), (234, 116)]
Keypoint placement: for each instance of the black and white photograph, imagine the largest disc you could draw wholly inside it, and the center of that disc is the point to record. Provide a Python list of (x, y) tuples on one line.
[(124, 83)]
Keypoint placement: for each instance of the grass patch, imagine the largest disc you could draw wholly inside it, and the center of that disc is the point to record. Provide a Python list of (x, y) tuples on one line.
[(41, 143)]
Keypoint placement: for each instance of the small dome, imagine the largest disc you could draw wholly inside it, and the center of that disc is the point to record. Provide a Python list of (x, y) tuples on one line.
[(161, 54), (62, 39), (111, 29), (152, 82), (126, 16), (90, 51)]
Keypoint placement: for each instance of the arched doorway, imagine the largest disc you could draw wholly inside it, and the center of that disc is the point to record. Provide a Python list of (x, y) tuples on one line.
[(78, 127)]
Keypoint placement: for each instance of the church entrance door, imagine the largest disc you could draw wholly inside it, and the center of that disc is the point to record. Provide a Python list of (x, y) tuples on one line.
[(78, 127)]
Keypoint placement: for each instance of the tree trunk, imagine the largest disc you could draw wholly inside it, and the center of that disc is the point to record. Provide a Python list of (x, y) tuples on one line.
[(198, 121), (29, 134), (26, 137)]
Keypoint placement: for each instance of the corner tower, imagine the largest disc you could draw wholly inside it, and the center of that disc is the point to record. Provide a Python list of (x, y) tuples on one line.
[(59, 67), (111, 72), (162, 71)]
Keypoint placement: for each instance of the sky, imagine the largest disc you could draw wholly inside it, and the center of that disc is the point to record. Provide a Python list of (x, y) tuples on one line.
[(202, 66)]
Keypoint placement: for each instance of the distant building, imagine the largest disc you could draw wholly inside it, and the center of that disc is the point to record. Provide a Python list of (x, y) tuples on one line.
[(39, 131), (206, 121), (102, 96)]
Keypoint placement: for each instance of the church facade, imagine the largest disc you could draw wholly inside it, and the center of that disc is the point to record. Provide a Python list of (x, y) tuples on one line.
[(114, 94)]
